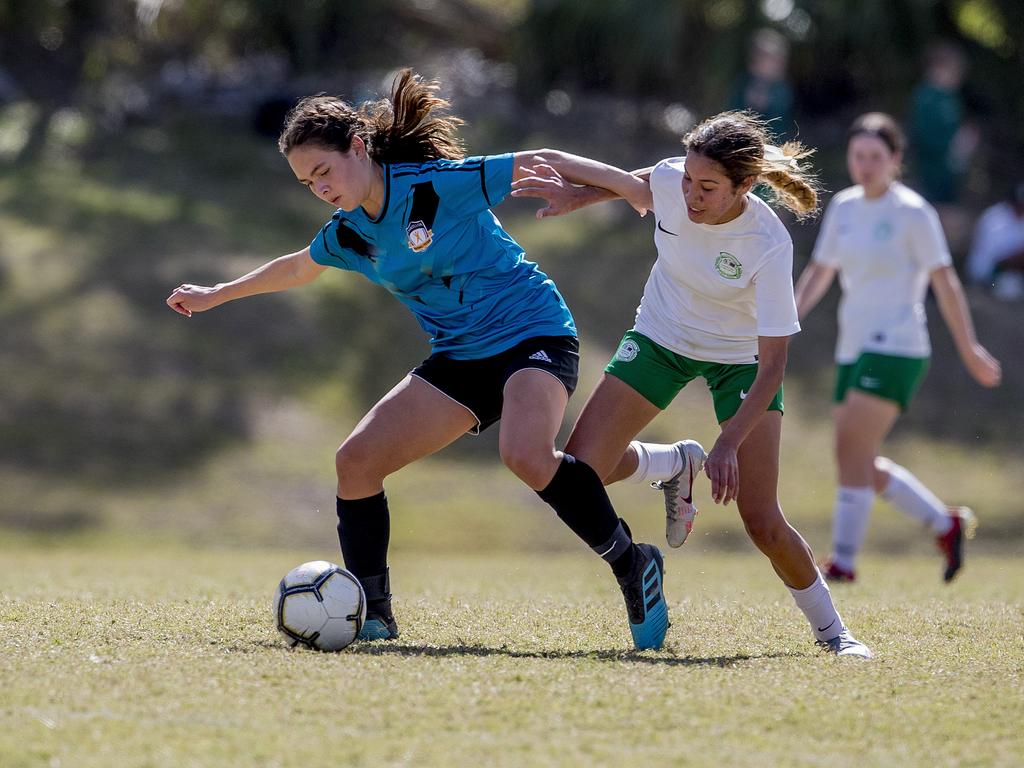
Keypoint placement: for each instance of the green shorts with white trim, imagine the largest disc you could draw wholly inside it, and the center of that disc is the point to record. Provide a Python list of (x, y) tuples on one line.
[(659, 374), (886, 376)]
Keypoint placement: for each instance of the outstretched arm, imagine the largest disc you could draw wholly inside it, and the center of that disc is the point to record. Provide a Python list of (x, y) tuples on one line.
[(983, 368), (811, 286), (561, 196), (278, 275), (543, 173)]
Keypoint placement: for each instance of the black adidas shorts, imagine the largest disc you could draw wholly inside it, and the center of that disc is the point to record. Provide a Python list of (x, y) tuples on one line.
[(479, 384)]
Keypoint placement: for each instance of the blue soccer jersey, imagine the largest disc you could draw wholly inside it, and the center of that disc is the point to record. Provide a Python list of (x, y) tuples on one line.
[(437, 247)]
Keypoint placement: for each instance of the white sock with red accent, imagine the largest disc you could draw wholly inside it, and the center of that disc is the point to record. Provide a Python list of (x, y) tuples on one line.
[(816, 603), (850, 524), (911, 496), (655, 462)]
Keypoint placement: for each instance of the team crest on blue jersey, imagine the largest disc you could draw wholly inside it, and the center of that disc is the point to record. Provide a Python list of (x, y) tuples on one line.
[(419, 236)]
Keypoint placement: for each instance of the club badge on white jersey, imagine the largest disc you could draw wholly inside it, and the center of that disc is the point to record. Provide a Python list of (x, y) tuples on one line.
[(728, 266)]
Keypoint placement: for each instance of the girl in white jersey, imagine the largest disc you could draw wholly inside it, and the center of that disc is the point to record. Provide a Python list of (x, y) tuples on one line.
[(887, 245), (719, 304)]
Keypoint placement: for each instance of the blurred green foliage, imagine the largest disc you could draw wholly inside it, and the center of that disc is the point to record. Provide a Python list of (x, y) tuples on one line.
[(845, 52), (847, 56)]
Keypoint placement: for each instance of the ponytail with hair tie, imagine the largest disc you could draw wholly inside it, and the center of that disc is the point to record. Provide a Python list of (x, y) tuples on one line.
[(774, 154)]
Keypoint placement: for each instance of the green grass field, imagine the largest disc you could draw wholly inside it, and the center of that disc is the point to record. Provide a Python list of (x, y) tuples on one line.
[(165, 656)]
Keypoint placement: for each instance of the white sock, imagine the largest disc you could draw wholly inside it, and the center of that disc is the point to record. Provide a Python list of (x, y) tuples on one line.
[(910, 495), (816, 603), (850, 524), (655, 462)]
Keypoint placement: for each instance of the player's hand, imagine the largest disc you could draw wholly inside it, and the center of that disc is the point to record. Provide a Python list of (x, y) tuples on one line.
[(984, 368), (723, 469), (546, 183), (188, 298)]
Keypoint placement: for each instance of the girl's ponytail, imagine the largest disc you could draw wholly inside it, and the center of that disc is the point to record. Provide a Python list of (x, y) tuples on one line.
[(403, 128)]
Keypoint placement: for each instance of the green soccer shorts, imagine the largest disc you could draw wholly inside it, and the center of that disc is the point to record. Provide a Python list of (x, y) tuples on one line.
[(659, 374), (886, 376)]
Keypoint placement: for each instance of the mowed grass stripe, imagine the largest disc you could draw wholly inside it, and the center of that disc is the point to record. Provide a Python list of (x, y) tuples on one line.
[(136, 657)]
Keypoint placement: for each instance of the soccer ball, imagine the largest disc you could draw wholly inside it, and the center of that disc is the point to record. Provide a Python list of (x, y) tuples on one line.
[(319, 605)]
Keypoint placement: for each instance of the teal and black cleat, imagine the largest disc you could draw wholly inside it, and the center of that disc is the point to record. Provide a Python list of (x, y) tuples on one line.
[(645, 598), (379, 623), (378, 627)]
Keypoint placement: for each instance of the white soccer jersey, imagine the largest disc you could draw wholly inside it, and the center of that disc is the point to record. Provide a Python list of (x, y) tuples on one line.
[(716, 287), (885, 250)]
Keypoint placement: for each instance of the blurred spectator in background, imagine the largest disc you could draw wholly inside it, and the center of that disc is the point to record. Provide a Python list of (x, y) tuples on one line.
[(941, 141), (764, 86), (996, 258)]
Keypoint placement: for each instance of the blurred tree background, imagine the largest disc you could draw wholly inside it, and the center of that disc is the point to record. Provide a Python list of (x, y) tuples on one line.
[(137, 152)]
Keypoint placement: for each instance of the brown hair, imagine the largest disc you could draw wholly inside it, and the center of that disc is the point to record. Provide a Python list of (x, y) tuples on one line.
[(881, 126), (737, 141), (399, 129)]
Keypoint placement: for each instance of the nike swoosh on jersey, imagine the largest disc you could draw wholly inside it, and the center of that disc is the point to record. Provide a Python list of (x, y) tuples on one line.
[(743, 394), (666, 231)]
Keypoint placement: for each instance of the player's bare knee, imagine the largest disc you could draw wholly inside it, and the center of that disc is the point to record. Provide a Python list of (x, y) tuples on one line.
[(602, 463), (767, 533), (351, 460), (849, 437), (851, 454), (343, 460), (532, 466)]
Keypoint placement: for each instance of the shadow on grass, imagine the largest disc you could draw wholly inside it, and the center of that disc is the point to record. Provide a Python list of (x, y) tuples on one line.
[(639, 657)]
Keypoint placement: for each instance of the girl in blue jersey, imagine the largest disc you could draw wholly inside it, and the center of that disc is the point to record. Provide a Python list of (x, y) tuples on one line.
[(413, 215)]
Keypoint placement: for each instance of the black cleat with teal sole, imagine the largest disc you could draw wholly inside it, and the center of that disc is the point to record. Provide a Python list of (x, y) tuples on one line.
[(645, 598), (379, 625), (380, 622)]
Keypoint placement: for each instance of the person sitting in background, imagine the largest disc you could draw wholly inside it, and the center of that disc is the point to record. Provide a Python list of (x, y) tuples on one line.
[(996, 258)]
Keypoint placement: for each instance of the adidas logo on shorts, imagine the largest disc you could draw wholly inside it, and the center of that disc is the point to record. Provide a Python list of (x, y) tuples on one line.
[(541, 355)]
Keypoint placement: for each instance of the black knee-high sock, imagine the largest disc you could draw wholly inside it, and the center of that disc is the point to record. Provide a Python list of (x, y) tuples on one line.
[(578, 496), (364, 531)]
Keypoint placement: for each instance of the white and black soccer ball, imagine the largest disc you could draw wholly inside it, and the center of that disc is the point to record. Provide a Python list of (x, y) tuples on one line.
[(319, 605)]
